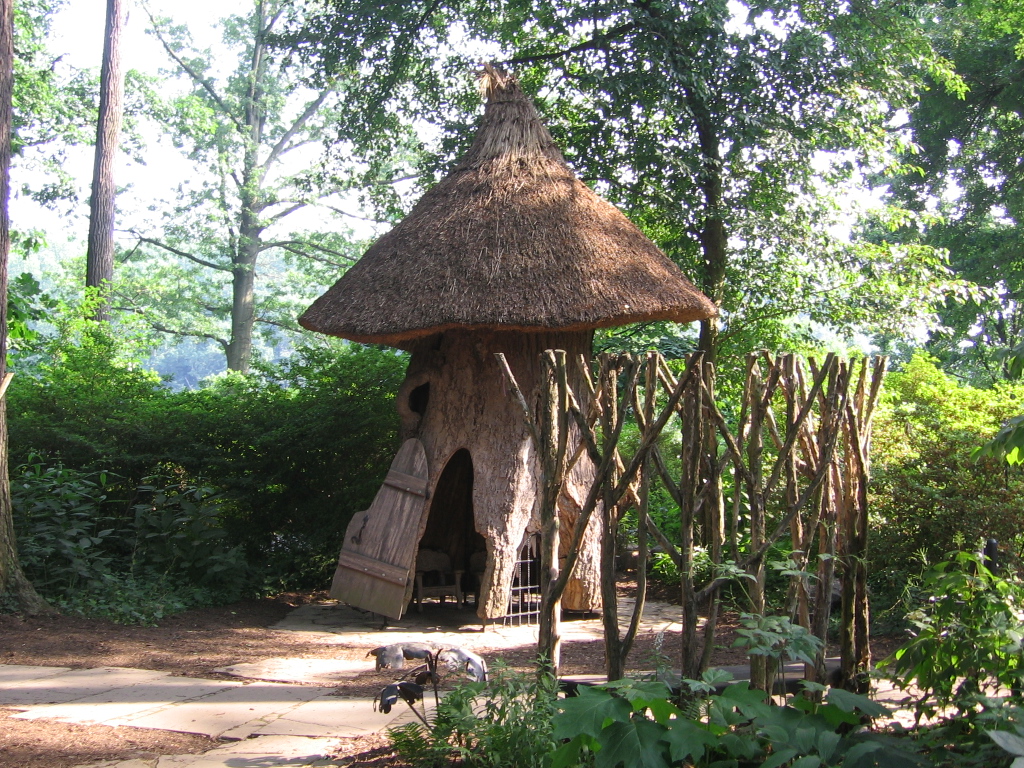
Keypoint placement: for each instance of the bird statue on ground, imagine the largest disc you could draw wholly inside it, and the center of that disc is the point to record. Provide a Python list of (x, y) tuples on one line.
[(410, 693), (461, 660), (393, 656)]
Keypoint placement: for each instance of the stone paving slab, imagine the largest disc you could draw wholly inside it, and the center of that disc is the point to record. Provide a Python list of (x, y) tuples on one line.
[(262, 752), (12, 674), (231, 713), (444, 625), (77, 684), (116, 706), (332, 716), (290, 670)]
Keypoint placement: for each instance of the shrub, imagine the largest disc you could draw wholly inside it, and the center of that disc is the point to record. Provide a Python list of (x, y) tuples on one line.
[(928, 496), (638, 723), (289, 452), (966, 638), (503, 723), (95, 556)]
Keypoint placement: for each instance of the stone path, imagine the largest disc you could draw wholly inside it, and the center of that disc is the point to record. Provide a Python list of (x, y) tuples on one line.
[(282, 724), (271, 719), (268, 717)]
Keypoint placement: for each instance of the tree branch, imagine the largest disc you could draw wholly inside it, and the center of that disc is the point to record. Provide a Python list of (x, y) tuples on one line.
[(594, 43), (295, 127), (295, 206), (196, 77), (188, 334), (275, 323), (291, 246), (340, 212), (184, 254)]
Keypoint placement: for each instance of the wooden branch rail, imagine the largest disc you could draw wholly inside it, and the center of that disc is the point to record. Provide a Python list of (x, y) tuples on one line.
[(817, 459)]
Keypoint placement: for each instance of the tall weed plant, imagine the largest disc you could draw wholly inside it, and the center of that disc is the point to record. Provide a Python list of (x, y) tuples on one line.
[(967, 639)]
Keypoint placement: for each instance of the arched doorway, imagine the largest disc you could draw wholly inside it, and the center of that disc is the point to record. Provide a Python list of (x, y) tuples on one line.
[(450, 525)]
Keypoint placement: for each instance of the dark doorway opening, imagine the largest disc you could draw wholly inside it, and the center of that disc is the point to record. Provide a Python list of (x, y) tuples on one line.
[(450, 525)]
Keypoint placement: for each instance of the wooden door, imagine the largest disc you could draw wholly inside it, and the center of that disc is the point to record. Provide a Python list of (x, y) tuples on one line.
[(378, 555)]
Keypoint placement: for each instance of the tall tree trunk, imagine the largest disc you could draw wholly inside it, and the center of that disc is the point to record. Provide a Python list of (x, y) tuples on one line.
[(100, 255), (12, 580), (243, 315), (713, 237)]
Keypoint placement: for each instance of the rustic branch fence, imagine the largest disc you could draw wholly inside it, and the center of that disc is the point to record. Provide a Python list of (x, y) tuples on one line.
[(794, 461)]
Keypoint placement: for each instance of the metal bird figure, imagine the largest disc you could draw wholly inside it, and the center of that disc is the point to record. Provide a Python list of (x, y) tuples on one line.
[(388, 657), (417, 650), (410, 693)]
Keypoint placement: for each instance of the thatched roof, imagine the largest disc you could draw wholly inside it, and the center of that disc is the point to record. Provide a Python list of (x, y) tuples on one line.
[(509, 240)]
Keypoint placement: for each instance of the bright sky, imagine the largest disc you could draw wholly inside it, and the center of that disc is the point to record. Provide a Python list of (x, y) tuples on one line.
[(78, 29), (77, 36)]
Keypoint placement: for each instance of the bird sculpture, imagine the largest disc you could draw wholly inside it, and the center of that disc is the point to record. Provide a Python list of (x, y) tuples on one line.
[(410, 693), (467, 662), (394, 656)]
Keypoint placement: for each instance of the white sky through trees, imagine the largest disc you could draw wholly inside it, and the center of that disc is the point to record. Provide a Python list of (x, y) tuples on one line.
[(76, 37)]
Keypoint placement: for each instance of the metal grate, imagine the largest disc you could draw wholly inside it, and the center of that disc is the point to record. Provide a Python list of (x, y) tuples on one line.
[(524, 600)]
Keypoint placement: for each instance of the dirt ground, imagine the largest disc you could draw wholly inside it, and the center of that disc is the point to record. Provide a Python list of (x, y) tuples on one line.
[(194, 644)]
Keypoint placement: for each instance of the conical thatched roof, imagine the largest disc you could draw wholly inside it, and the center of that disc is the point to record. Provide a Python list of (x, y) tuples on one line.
[(509, 240)]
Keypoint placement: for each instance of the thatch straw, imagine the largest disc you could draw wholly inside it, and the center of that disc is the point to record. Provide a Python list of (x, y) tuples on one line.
[(509, 240)]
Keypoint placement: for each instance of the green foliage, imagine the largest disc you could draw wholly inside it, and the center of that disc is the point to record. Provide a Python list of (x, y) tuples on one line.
[(289, 453), (62, 526), (503, 723), (1012, 742), (297, 451), (968, 148), (776, 637), (927, 495), (966, 639), (96, 556), (631, 723), (179, 530), (1009, 442), (217, 261), (54, 105), (719, 132)]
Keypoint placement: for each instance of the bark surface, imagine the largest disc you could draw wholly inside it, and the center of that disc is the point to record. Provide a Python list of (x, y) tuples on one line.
[(455, 398), (100, 254)]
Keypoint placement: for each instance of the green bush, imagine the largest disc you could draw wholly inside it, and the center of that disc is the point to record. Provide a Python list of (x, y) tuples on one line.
[(289, 452), (639, 723), (65, 534), (503, 723), (91, 555), (967, 638), (928, 496)]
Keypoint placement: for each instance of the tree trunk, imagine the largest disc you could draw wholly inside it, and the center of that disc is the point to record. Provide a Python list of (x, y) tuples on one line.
[(455, 397), (755, 391), (713, 237), (610, 522), (243, 316), (12, 581), (100, 255)]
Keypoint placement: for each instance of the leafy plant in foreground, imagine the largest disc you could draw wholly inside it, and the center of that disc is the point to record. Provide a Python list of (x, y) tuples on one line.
[(638, 724), (967, 639), (92, 555), (775, 637), (503, 723)]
